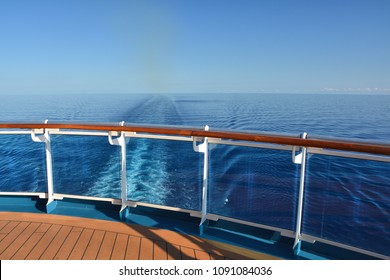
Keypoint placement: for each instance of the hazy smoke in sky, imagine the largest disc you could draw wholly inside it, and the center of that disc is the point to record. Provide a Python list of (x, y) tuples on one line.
[(147, 32)]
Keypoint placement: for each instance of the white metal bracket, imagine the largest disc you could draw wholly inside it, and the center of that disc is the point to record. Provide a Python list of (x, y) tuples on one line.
[(45, 138), (204, 149), (121, 141), (300, 159)]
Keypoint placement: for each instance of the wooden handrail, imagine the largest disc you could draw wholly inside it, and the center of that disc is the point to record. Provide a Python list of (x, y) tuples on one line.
[(379, 149)]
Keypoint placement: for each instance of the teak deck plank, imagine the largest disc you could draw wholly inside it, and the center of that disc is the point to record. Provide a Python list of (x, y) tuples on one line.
[(57, 242), (68, 245), (41, 246), (2, 236), (107, 246), (94, 245), (133, 245), (173, 252), (119, 250), (187, 253), (19, 241), (160, 250), (3, 224), (9, 226), (23, 252), (45, 236), (12, 234), (202, 255), (146, 249), (81, 245), (216, 257)]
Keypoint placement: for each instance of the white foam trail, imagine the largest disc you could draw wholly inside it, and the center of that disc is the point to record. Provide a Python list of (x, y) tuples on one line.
[(147, 176), (108, 183)]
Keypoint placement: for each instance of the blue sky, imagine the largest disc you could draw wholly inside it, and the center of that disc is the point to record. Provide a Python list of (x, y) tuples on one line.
[(136, 46)]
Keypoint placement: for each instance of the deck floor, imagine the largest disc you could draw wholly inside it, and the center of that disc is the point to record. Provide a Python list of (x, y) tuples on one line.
[(27, 236)]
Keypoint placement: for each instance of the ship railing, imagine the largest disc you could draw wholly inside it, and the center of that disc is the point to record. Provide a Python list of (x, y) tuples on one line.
[(203, 140)]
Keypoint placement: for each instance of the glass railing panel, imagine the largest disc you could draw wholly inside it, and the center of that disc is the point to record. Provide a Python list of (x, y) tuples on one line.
[(86, 165), (164, 172), (22, 164), (255, 185), (348, 201)]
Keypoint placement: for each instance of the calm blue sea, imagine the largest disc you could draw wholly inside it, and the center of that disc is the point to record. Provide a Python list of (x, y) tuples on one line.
[(346, 200)]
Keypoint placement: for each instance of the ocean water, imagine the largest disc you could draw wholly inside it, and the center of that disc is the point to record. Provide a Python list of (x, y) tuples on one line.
[(346, 200)]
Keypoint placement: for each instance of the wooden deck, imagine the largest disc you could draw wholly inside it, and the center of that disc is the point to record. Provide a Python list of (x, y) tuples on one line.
[(26, 236)]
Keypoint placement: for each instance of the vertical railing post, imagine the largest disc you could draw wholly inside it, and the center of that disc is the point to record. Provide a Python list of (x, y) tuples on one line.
[(203, 148), (300, 159), (121, 141), (45, 138)]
